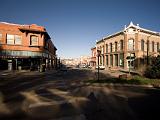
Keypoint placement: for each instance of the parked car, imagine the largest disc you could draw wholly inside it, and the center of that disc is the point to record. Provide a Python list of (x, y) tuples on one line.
[(101, 67)]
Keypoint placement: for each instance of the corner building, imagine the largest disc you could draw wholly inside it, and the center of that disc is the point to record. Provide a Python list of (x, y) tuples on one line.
[(25, 47), (133, 48)]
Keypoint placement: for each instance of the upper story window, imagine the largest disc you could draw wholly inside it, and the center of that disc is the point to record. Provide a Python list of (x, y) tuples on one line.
[(106, 48), (142, 45), (14, 39), (10, 39), (121, 44), (148, 47), (131, 44), (34, 40), (18, 40), (157, 46), (0, 38), (110, 47), (115, 46), (152, 46)]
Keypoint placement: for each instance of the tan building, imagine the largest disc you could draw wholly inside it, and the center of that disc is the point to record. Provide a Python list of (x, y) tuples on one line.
[(130, 48)]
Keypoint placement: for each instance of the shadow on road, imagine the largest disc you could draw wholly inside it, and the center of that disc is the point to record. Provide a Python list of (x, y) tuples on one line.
[(62, 94)]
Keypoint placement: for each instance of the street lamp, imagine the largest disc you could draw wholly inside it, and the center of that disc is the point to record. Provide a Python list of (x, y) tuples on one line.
[(98, 54)]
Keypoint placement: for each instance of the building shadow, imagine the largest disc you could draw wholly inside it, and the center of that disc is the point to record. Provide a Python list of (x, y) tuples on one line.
[(146, 107)]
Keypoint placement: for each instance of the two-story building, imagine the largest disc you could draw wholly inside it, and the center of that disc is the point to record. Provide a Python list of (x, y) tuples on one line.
[(131, 47), (25, 47)]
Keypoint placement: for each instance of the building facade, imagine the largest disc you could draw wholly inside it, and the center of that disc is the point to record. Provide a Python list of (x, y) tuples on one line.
[(93, 57), (131, 48), (25, 47)]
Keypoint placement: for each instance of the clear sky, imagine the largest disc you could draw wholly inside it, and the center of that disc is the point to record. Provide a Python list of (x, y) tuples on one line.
[(75, 25)]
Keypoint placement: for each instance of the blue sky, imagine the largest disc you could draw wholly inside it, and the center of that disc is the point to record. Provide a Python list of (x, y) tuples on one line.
[(75, 25)]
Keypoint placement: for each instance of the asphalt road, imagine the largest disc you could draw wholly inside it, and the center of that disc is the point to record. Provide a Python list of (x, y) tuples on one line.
[(62, 95)]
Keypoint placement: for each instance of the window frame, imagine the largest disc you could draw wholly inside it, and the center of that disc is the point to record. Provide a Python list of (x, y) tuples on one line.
[(153, 46), (131, 46), (158, 47), (10, 39), (31, 42), (121, 44), (142, 45), (116, 46)]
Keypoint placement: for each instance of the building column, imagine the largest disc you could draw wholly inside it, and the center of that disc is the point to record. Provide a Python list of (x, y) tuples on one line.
[(113, 60)]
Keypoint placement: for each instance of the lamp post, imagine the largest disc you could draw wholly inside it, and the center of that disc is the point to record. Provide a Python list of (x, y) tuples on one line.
[(98, 54)]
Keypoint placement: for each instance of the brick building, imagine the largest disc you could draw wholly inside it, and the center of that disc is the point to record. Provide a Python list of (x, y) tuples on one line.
[(25, 47), (131, 47)]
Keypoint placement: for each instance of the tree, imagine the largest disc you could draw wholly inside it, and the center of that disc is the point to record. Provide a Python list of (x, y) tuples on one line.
[(153, 71)]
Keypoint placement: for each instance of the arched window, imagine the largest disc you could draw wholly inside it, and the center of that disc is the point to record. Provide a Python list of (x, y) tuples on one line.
[(148, 47), (152, 46), (106, 48), (142, 45), (110, 47), (115, 46), (157, 46), (121, 44), (131, 44)]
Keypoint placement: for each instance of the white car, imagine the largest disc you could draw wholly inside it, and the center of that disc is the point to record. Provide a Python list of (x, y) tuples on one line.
[(101, 67)]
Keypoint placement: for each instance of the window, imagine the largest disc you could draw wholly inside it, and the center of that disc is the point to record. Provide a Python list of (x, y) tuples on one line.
[(115, 46), (131, 44), (142, 45), (14, 39), (157, 46), (34, 41), (116, 59), (18, 40), (10, 39), (121, 45), (111, 60), (106, 48), (152, 46), (110, 47), (0, 38), (121, 60), (107, 60), (148, 48)]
